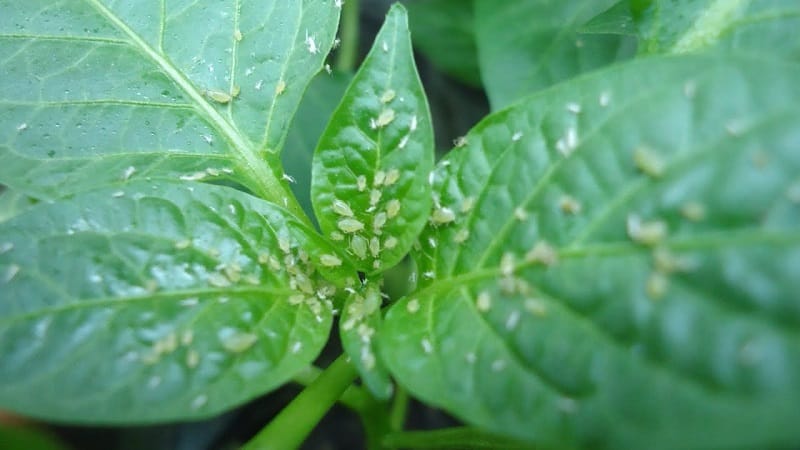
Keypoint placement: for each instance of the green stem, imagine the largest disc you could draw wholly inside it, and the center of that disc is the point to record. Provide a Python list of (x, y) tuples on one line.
[(397, 415), (451, 438), (353, 397), (292, 425), (348, 52)]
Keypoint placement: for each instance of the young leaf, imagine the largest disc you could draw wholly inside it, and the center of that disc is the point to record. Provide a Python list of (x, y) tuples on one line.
[(105, 92), (526, 46), (358, 327), (688, 25), (370, 170), (190, 297), (623, 265)]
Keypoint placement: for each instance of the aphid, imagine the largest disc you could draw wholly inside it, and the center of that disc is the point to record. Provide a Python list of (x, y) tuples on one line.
[(649, 162), (296, 299), (327, 66), (427, 347), (646, 233), (391, 177), (284, 245), (520, 214), (274, 264), (388, 96), (187, 337), (238, 342), (236, 90), (374, 246), (208, 138), (217, 280), (392, 208), (338, 3), (567, 144), (368, 359), (350, 225), (375, 197), (192, 358), (516, 136), (118, 194), (604, 99), (219, 96), (237, 35), (656, 285), (460, 141), (311, 44), (260, 84), (535, 306), (432, 242), (429, 274), (336, 43), (359, 246), (573, 107), (196, 176), (380, 176), (361, 183), (22, 127), (128, 172), (379, 221), (297, 346), (199, 401), (513, 320), (467, 204), (280, 87), (390, 243), (330, 260), (498, 365), (483, 302), (336, 236), (569, 205), (442, 215), (413, 125), (693, 211), (412, 306), (212, 171), (507, 264), (192, 301), (403, 142), (470, 358), (385, 46), (461, 236), (341, 208), (384, 118), (543, 253)]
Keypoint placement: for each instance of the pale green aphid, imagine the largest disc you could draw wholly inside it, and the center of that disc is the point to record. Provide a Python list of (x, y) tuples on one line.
[(219, 96)]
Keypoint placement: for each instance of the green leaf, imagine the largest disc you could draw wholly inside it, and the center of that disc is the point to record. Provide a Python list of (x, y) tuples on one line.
[(312, 116), (12, 203), (525, 46), (156, 302), (96, 92), (358, 328), (19, 438), (743, 25), (369, 183), (444, 31), (623, 267)]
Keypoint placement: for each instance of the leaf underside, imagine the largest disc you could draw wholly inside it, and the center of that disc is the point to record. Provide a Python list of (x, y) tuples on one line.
[(623, 267), (155, 302)]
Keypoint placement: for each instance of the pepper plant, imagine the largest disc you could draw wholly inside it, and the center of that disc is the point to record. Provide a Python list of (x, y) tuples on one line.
[(610, 259)]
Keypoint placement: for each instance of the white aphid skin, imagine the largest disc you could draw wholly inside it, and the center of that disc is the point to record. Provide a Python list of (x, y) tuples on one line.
[(604, 99), (461, 236), (289, 178), (385, 46), (311, 44), (327, 66), (567, 144), (542, 253), (432, 243), (442, 215), (22, 127), (693, 211), (280, 87), (460, 141), (412, 306), (388, 96), (219, 96), (208, 138), (211, 171), (238, 342), (403, 142), (128, 172), (350, 225), (330, 260), (237, 35), (199, 401), (361, 183), (392, 176), (483, 302), (569, 205), (648, 162), (260, 84), (196, 176), (516, 136), (390, 243), (429, 274), (573, 107), (118, 194), (427, 347), (513, 320), (358, 245), (413, 125), (341, 208), (646, 233), (296, 347), (392, 208), (374, 246), (385, 118)]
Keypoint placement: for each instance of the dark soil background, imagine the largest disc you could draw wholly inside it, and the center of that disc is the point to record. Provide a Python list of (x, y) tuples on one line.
[(455, 108)]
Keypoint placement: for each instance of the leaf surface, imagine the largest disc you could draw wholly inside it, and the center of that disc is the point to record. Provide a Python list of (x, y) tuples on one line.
[(525, 46), (156, 302), (369, 183), (623, 267), (96, 92)]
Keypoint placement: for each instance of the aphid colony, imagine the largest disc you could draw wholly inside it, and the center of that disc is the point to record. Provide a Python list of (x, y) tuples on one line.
[(359, 311)]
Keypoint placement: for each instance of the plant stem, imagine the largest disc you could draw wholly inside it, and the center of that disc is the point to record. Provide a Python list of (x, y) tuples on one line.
[(451, 438), (353, 397), (397, 416), (346, 58), (292, 425)]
